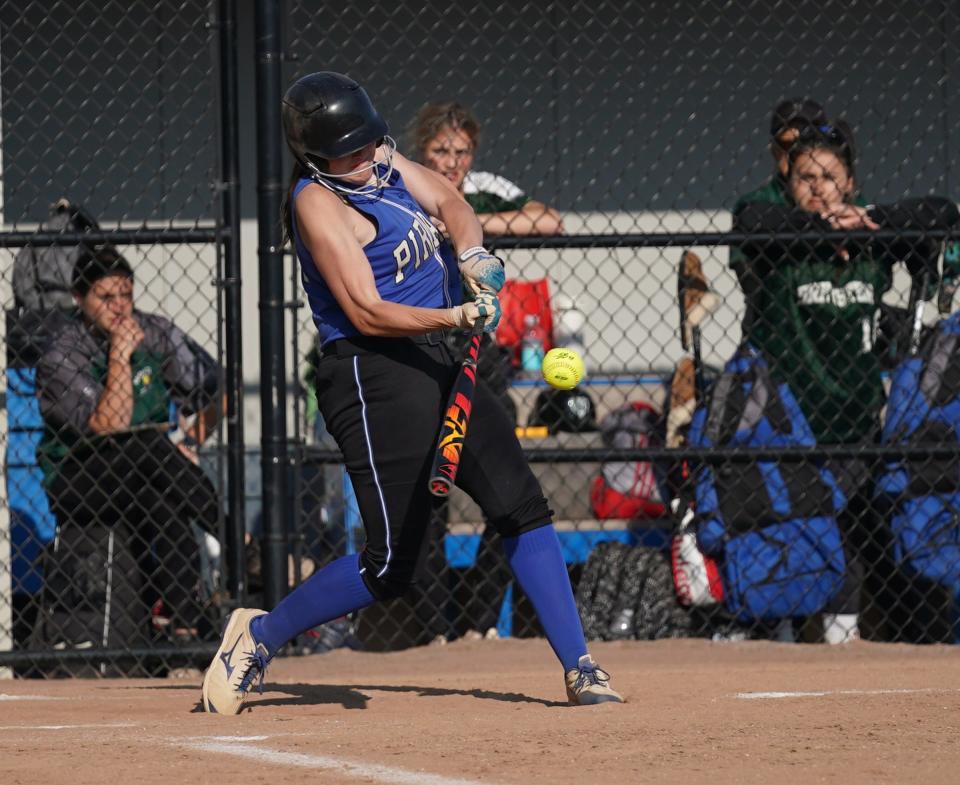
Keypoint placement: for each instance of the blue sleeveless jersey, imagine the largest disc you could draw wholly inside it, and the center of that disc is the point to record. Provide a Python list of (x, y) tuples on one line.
[(454, 284), (404, 257)]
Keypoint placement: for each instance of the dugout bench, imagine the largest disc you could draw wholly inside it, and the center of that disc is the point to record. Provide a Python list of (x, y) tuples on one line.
[(566, 486)]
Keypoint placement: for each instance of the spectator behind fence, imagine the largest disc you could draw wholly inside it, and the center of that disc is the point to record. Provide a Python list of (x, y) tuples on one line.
[(445, 137), (789, 118), (106, 384), (786, 121), (814, 308)]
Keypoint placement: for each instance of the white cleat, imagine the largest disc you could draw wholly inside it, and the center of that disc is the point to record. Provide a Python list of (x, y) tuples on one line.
[(239, 661), (587, 684)]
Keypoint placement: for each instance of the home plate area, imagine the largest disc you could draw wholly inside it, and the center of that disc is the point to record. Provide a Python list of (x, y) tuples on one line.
[(495, 712)]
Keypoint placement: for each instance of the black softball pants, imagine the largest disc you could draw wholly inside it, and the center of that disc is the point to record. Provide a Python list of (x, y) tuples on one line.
[(382, 400), (141, 480)]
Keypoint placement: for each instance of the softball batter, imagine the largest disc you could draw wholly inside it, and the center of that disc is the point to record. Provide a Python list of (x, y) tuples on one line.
[(359, 215)]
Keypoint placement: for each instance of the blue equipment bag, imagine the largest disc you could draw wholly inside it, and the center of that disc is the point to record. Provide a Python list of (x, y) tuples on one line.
[(32, 525), (770, 525), (922, 495)]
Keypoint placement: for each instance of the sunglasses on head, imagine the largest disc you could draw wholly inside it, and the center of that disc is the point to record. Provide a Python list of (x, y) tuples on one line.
[(829, 134), (809, 132)]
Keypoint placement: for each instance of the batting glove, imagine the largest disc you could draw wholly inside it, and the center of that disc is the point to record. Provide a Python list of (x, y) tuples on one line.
[(482, 269), (486, 306)]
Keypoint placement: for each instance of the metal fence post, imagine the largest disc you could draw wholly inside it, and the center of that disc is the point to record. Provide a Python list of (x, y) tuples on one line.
[(231, 282), (272, 347)]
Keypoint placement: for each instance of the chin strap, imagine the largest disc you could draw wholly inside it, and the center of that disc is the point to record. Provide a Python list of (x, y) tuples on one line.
[(379, 182)]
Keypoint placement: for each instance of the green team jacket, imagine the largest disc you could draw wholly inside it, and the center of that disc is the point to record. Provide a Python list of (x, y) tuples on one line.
[(813, 315), (166, 367)]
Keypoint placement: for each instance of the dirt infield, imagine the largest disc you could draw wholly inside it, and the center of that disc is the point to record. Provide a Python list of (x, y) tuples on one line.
[(492, 712)]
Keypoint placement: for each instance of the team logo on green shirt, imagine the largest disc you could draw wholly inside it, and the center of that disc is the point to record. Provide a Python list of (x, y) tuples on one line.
[(825, 293), (143, 377)]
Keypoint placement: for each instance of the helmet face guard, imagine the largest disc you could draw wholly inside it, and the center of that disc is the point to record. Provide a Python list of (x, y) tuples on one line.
[(380, 177), (327, 115)]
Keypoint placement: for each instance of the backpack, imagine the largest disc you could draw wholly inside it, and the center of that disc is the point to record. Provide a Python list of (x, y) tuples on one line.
[(626, 593), (42, 276), (93, 593), (922, 496), (628, 489), (770, 525)]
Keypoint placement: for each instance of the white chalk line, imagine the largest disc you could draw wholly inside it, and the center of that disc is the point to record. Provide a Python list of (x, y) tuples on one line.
[(69, 727), (5, 697), (747, 696), (347, 768)]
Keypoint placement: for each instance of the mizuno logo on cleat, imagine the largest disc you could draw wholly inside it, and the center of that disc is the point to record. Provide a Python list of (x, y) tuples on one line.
[(228, 655)]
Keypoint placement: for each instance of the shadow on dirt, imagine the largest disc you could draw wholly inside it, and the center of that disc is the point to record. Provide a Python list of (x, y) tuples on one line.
[(355, 696)]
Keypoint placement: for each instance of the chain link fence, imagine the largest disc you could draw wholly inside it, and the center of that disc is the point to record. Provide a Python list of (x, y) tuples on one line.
[(615, 153), (625, 164), (114, 504)]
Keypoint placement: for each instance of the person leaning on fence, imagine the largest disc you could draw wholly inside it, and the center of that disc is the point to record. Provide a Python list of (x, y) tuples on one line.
[(445, 137), (815, 306), (787, 119), (106, 383), (357, 213)]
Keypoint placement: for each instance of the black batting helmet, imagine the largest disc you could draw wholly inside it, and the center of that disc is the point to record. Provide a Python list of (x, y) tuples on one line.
[(327, 115)]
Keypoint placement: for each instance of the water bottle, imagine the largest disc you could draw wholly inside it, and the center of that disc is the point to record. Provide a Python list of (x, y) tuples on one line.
[(621, 628), (951, 278), (531, 344), (569, 326)]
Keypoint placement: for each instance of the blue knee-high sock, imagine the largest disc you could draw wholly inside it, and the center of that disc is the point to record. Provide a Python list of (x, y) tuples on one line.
[(537, 561), (336, 590)]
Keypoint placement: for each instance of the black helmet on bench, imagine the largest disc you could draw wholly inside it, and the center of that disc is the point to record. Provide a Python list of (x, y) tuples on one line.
[(564, 410)]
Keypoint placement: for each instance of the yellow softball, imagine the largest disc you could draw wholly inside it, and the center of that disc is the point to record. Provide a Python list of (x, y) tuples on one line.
[(563, 369)]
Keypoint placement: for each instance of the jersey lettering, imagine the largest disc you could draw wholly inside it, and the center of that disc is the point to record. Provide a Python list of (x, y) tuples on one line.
[(410, 250), (402, 256), (825, 293), (424, 241)]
